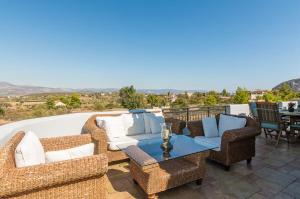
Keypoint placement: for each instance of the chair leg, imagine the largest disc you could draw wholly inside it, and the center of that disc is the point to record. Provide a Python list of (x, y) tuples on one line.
[(199, 181), (279, 135), (134, 181), (266, 135), (249, 161), (152, 196), (226, 168)]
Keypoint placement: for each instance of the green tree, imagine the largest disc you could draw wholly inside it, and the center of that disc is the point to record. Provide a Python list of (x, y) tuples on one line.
[(180, 102), (286, 92), (153, 100), (2, 111), (74, 101), (241, 96), (225, 93), (131, 99), (156, 100), (270, 97), (210, 100), (99, 105), (197, 98), (50, 103)]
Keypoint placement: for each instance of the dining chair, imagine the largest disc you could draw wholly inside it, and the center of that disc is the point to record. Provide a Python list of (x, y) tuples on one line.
[(270, 120), (253, 110)]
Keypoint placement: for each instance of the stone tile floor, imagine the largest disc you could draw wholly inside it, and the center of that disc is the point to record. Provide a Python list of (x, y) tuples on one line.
[(274, 173)]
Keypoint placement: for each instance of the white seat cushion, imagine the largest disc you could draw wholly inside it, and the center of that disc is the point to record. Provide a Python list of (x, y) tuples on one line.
[(113, 125), (214, 142), (72, 153), (130, 140), (210, 127), (228, 122), (134, 124), (29, 151)]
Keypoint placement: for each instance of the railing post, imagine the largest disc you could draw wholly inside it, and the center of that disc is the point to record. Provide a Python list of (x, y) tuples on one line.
[(208, 111), (187, 114)]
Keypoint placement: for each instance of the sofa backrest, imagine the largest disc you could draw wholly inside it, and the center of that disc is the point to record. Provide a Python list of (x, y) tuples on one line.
[(133, 122), (196, 127)]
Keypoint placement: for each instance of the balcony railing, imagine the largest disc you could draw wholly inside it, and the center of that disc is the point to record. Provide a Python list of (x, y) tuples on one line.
[(194, 113)]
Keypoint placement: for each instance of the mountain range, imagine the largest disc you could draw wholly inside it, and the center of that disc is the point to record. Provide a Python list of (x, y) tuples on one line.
[(8, 89), (294, 84)]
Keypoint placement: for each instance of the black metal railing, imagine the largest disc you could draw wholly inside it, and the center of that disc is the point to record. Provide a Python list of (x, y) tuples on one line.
[(194, 113)]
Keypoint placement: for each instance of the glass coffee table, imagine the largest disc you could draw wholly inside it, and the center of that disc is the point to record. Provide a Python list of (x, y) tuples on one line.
[(156, 171)]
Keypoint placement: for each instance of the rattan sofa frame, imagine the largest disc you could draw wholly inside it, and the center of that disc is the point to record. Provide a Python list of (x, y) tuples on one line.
[(71, 179), (236, 145)]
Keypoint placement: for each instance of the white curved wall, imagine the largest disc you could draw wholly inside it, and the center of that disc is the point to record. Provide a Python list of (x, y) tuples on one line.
[(237, 109), (54, 126), (69, 124)]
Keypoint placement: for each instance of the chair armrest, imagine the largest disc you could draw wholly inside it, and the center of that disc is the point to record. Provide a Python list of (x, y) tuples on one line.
[(31, 178), (240, 134), (196, 128), (177, 125), (64, 142), (98, 134)]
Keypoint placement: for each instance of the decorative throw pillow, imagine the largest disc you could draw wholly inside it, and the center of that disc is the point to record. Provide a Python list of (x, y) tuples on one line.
[(29, 151), (210, 127), (147, 118), (228, 122), (155, 124), (114, 126), (72, 153), (134, 123)]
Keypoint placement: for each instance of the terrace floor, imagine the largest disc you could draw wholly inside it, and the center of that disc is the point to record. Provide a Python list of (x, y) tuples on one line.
[(274, 173)]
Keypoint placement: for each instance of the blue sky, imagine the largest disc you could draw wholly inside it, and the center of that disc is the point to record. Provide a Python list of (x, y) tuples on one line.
[(200, 44)]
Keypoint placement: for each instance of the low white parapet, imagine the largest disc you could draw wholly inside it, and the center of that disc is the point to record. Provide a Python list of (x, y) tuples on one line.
[(238, 109), (54, 126)]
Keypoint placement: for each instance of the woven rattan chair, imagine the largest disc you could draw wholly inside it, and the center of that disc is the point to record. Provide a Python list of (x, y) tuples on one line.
[(91, 127), (77, 178), (236, 145), (270, 120)]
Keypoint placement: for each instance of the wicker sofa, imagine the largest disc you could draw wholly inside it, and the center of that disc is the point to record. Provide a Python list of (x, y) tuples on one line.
[(99, 133), (236, 145), (77, 178)]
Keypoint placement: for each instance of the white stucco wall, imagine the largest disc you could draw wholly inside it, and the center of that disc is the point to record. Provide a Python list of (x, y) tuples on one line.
[(285, 105), (54, 126), (237, 109)]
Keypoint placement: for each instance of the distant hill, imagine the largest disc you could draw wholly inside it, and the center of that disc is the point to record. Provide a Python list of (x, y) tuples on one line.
[(294, 83), (8, 89)]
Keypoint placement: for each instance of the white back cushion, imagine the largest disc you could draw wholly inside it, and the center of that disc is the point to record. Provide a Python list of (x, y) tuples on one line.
[(72, 153), (113, 126), (155, 124), (134, 123), (147, 118), (229, 122), (210, 127), (29, 151)]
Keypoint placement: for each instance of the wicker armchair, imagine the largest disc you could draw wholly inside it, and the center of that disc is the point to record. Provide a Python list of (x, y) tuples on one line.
[(77, 178), (236, 145), (90, 127)]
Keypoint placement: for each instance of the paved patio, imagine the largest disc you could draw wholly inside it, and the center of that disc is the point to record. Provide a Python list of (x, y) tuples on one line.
[(274, 173)]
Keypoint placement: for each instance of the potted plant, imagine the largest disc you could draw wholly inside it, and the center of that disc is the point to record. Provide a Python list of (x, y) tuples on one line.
[(291, 107)]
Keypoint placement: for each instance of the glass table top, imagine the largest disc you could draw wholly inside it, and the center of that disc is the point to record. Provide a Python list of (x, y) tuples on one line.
[(287, 113), (182, 146)]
